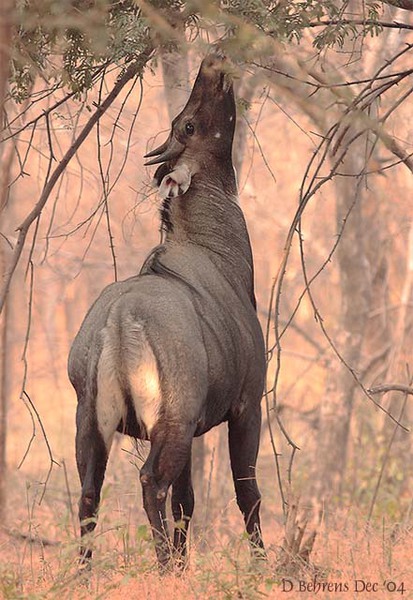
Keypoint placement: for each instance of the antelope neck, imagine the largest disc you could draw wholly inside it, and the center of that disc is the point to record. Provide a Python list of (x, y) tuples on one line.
[(212, 219)]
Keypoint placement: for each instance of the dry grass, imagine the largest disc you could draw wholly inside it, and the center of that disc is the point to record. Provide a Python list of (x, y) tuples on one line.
[(345, 550), (348, 557)]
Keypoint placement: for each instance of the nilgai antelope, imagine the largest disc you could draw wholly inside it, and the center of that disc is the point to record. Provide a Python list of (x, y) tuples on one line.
[(177, 349)]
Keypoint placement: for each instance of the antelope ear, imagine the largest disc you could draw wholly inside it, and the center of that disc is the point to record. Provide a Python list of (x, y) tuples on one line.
[(175, 183)]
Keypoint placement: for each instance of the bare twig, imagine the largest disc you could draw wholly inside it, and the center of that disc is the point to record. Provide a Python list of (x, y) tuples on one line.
[(32, 409), (105, 184), (69, 499), (404, 4), (32, 539), (391, 387), (364, 22), (275, 453)]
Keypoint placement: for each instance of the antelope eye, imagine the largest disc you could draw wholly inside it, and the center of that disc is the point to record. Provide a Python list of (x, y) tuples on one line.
[(189, 129)]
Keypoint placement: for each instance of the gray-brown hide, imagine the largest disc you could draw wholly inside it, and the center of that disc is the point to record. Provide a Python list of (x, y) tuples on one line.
[(168, 354)]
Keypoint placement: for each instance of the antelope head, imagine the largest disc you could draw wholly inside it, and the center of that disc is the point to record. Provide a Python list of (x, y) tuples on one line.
[(201, 135)]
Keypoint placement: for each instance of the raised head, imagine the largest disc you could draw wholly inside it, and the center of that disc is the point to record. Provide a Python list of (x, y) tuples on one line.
[(201, 136)]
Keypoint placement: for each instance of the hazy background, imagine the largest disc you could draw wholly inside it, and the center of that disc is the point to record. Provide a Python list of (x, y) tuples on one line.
[(351, 459)]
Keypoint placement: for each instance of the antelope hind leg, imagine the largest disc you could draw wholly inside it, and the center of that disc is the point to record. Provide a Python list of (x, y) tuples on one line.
[(169, 455)]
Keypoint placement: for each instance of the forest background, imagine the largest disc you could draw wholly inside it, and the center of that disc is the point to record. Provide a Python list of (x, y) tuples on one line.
[(323, 153)]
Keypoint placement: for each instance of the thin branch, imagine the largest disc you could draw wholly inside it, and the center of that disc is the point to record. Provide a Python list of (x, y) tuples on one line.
[(404, 4), (105, 185), (364, 22), (52, 461), (275, 453), (25, 396), (391, 387), (332, 85)]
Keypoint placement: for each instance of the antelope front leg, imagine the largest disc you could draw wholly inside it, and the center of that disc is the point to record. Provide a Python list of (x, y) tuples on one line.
[(244, 436)]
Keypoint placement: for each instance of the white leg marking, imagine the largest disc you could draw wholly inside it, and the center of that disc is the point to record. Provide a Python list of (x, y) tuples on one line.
[(110, 405), (142, 375), (129, 359), (144, 383)]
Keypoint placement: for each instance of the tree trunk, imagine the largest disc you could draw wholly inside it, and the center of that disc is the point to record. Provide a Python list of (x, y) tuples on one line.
[(4, 392), (6, 25), (355, 288), (396, 372), (6, 157)]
